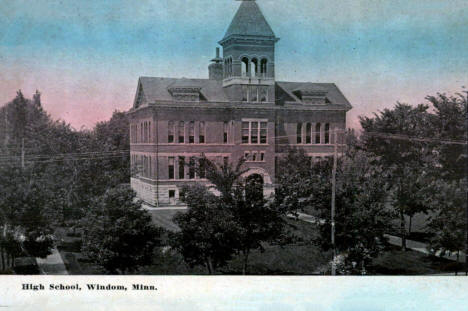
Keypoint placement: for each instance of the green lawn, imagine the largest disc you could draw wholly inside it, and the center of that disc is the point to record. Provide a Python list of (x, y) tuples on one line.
[(397, 262)]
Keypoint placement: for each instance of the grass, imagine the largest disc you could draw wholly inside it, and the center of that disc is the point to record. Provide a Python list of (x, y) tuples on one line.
[(397, 262)]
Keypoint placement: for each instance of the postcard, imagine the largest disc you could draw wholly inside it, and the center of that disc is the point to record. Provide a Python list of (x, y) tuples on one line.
[(233, 155)]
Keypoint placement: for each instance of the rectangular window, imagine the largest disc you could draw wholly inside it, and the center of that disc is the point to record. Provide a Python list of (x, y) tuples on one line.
[(170, 132), (299, 133), (263, 132), (191, 132), (262, 156), (263, 94), (317, 133), (181, 132), (171, 167), (327, 133), (254, 156), (247, 156), (171, 194), (308, 133), (225, 131), (192, 168), (245, 132), (254, 132), (201, 135), (181, 167), (253, 94)]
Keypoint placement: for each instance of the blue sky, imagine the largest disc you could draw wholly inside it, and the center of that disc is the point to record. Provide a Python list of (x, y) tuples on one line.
[(86, 56)]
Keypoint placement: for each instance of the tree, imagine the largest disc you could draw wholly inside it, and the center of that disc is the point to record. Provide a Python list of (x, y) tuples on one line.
[(207, 230), (247, 219), (448, 124), (119, 235), (447, 225), (361, 217), (26, 213), (397, 140)]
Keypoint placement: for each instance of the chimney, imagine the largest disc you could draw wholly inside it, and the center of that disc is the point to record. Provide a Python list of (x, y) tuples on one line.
[(215, 69)]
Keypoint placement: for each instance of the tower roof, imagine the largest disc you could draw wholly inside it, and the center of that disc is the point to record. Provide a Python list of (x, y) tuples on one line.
[(249, 21)]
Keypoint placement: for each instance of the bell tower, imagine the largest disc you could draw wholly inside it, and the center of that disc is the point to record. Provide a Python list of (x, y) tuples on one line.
[(249, 56)]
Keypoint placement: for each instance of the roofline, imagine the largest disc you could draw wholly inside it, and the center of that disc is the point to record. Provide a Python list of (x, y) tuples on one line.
[(249, 37)]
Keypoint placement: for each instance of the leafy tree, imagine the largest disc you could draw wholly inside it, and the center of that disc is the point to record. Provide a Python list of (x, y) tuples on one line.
[(361, 217), (207, 230), (447, 225), (396, 138), (119, 235), (26, 213), (447, 123), (246, 220)]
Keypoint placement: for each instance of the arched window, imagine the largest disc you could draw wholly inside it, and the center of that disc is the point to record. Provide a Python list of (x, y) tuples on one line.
[(299, 133), (263, 67), (245, 67), (201, 132), (230, 66), (327, 133), (308, 133), (254, 67), (317, 133)]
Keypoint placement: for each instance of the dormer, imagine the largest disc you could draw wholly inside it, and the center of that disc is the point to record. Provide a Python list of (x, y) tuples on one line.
[(312, 95), (185, 90)]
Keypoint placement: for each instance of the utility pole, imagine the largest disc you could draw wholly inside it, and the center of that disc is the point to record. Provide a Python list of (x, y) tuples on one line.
[(335, 160)]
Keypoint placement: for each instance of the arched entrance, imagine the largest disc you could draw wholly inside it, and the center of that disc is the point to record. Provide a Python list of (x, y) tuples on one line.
[(267, 185), (254, 187)]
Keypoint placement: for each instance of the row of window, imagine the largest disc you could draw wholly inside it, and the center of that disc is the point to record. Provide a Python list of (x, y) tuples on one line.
[(178, 128), (254, 156), (255, 94), (140, 132), (253, 132), (255, 68), (189, 170), (143, 165), (305, 134)]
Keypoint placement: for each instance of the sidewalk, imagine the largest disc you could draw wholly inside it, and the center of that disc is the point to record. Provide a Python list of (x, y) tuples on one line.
[(52, 264)]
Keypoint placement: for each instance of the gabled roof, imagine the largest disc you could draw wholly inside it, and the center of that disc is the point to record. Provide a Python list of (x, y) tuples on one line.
[(249, 21), (157, 89)]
